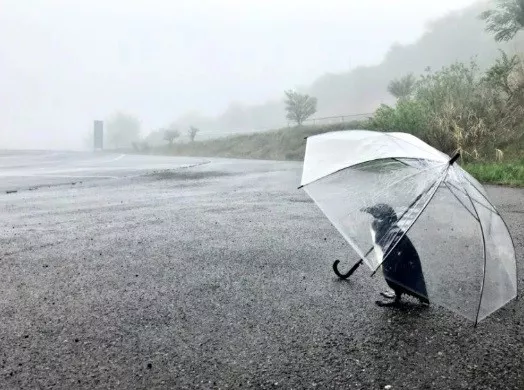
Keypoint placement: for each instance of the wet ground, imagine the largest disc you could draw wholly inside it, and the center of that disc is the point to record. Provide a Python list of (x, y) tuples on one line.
[(158, 272)]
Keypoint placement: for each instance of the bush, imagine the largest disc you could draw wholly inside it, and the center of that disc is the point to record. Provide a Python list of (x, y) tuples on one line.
[(462, 109), (408, 116)]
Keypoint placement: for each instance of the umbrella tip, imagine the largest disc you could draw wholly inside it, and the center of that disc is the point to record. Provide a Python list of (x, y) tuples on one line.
[(454, 158)]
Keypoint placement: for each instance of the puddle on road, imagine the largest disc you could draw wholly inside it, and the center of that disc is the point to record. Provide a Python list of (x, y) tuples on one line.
[(186, 175)]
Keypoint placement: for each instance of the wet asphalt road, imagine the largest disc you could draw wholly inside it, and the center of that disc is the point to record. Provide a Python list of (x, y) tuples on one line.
[(138, 272)]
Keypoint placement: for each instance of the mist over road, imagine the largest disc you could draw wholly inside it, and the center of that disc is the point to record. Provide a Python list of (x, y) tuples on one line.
[(29, 169)]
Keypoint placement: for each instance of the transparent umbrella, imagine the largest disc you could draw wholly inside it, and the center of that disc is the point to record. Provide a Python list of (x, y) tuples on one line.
[(413, 212)]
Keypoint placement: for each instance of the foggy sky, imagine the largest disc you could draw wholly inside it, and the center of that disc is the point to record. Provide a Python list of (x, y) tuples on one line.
[(64, 63)]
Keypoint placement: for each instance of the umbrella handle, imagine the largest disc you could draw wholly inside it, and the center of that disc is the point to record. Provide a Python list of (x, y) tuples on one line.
[(349, 273)]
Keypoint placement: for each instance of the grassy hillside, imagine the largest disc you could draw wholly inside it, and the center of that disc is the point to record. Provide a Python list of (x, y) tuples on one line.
[(289, 144), (282, 144)]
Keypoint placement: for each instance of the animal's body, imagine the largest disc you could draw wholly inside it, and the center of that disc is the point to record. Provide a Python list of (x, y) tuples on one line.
[(402, 269)]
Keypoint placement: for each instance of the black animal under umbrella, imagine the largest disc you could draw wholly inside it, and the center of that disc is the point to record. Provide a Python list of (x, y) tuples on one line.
[(402, 268), (380, 189)]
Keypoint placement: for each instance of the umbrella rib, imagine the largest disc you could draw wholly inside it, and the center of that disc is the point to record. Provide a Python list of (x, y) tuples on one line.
[(412, 144), (462, 203), (402, 216), (483, 196), (418, 216), (484, 268), (395, 183), (516, 268), (395, 140), (408, 208), (410, 158), (492, 208), (367, 162)]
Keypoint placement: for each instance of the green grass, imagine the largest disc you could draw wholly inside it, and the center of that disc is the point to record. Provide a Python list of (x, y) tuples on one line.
[(503, 173)]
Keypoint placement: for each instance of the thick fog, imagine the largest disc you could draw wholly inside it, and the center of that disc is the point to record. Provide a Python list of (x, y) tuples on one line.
[(65, 63)]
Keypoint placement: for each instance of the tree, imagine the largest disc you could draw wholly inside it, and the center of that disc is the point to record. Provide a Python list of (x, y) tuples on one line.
[(122, 130), (499, 75), (402, 88), (299, 107), (192, 132), (505, 21), (170, 135)]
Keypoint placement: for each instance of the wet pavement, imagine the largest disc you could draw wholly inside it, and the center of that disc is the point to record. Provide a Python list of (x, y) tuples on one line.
[(147, 272)]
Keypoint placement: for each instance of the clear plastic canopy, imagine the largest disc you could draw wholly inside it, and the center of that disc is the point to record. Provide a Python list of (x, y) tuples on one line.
[(466, 255)]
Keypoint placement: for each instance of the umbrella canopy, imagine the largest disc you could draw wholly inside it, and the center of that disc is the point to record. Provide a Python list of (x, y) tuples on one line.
[(397, 185)]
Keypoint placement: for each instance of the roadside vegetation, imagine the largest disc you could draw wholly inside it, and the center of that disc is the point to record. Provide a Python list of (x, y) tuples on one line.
[(281, 144), (502, 173), (459, 107)]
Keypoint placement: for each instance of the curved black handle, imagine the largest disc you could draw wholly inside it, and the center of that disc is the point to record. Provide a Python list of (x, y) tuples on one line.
[(349, 273)]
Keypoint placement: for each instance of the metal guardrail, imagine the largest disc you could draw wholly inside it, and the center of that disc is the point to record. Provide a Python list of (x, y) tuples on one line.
[(214, 134), (338, 118), (312, 121)]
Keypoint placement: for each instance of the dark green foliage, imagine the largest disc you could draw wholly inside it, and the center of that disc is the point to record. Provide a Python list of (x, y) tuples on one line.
[(407, 116), (506, 20)]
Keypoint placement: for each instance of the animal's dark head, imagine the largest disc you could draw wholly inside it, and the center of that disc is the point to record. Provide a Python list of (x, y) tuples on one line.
[(382, 212)]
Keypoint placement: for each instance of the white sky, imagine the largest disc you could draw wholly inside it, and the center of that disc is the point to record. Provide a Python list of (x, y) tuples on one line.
[(64, 63)]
